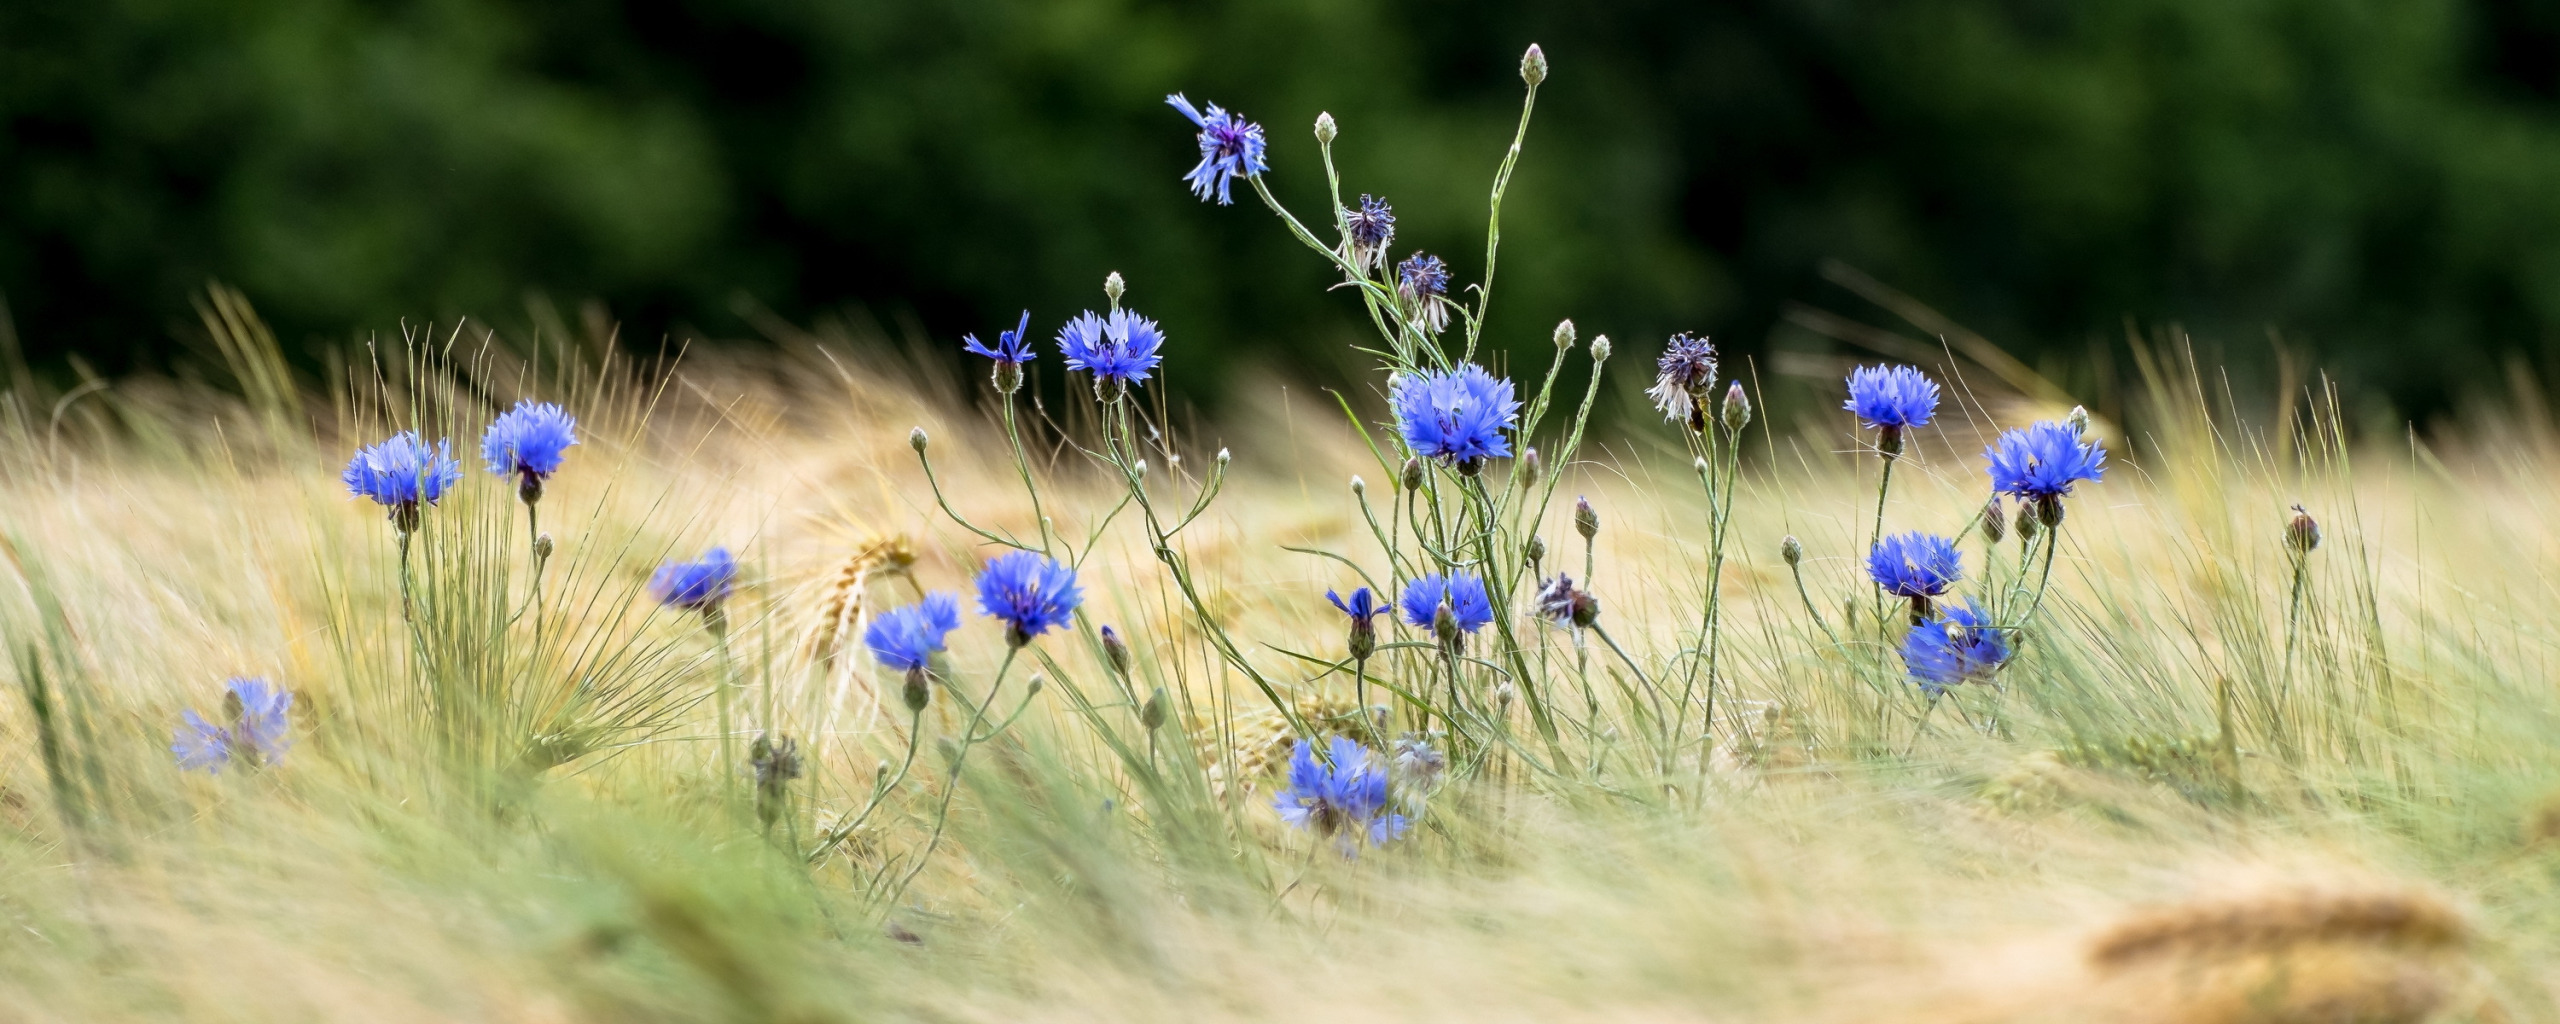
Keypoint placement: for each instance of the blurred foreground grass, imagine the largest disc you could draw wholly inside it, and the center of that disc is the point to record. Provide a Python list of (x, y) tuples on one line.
[(2178, 808)]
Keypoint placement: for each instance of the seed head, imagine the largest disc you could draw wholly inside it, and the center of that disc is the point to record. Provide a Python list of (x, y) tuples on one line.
[(1325, 130), (1586, 520), (1533, 65)]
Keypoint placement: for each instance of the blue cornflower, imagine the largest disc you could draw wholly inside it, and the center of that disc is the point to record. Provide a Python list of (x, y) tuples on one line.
[(1012, 349), (252, 730), (1364, 609), (1455, 414), (1469, 608), (401, 474), (696, 586), (906, 638), (1423, 282), (1962, 647), (1230, 148), (1918, 566), (1892, 400), (2040, 462), (528, 442), (1342, 797), (1684, 376), (1031, 593), (1370, 229), (1117, 349)]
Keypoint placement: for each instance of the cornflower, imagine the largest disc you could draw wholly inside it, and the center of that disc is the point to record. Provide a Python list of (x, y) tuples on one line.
[(1118, 349), (252, 730), (1455, 415), (1917, 566), (1370, 229), (402, 474), (528, 443), (1960, 647), (1684, 375), (1892, 400), (1011, 351), (1423, 282), (1030, 593), (1230, 148), (697, 586), (2039, 463), (1342, 797)]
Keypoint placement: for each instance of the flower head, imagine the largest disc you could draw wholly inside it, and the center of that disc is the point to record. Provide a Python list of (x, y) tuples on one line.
[(1031, 593), (1362, 606), (1230, 148), (1117, 349), (1564, 604), (1892, 398), (1342, 797), (1423, 282), (698, 586), (1463, 594), (528, 442), (1370, 229), (1915, 564), (402, 473), (1683, 377), (1459, 415), (1417, 763), (1012, 347), (1962, 647), (906, 638), (252, 730), (2043, 460)]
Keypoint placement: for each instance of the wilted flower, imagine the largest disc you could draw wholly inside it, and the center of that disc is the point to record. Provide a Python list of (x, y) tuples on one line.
[(1918, 566), (1962, 647), (528, 443), (1417, 763), (1464, 595), (2039, 463), (1564, 604), (1117, 349), (1684, 376), (252, 730), (401, 474), (1892, 400), (906, 638), (1364, 609), (1456, 415), (698, 586), (1230, 148), (1012, 349), (776, 761), (1370, 229), (1032, 594), (1423, 282), (1344, 800)]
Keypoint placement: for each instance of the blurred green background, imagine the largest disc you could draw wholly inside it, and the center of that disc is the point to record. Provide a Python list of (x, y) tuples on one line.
[(2373, 180)]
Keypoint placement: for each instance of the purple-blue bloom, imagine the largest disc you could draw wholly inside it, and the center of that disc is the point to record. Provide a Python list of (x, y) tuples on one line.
[(252, 730), (2043, 461), (528, 442), (1892, 397), (402, 473), (1918, 565), (1031, 593), (1464, 594), (1121, 347), (1458, 414), (1371, 228), (1683, 376), (1962, 647), (1012, 348), (1342, 797), (1362, 607), (1423, 281), (905, 638), (696, 586), (1230, 148)]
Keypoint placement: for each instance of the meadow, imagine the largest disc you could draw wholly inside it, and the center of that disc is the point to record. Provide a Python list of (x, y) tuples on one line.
[(821, 685)]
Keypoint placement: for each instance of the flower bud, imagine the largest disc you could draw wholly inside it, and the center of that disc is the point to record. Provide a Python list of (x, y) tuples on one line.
[(1737, 408), (1535, 549), (1359, 487), (1115, 652), (1533, 65), (1224, 457), (2025, 523), (2078, 420), (1113, 287), (918, 690), (1038, 682), (2303, 533), (1530, 465), (1141, 469), (1444, 625), (915, 440), (1698, 465), (542, 546), (1600, 349), (1564, 334), (1791, 550), (1151, 713), (1586, 520), (1325, 130), (1413, 474)]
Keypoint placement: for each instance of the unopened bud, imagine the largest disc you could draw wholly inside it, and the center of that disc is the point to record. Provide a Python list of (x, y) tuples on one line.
[(1140, 469), (1038, 682), (542, 546), (1564, 334), (1586, 520), (1994, 523), (1114, 651), (1224, 457), (2078, 420), (1698, 465), (1533, 65), (915, 440), (1113, 287), (1413, 474), (1536, 549), (949, 750), (2303, 533), (1359, 487), (1444, 625), (1530, 465), (2025, 523), (918, 690), (1600, 349), (1325, 130), (1151, 714), (1791, 550), (1737, 408)]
